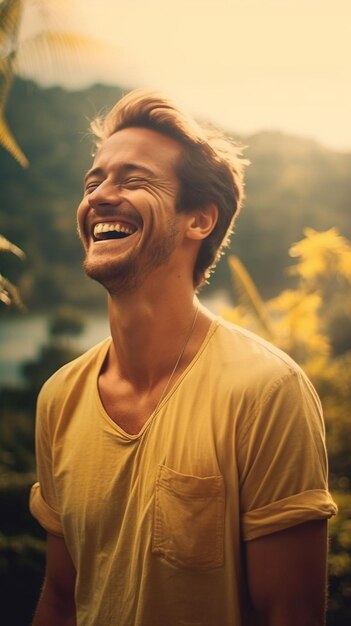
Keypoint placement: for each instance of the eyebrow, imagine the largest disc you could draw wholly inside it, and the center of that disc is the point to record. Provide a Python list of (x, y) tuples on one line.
[(126, 168), (96, 171)]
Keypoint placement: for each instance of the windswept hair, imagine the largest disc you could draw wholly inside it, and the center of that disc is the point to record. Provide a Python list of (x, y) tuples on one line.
[(210, 169)]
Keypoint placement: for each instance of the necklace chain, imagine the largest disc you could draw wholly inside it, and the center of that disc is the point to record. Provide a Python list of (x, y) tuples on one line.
[(177, 361)]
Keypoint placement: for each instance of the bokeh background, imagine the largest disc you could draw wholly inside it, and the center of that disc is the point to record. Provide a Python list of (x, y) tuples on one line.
[(274, 76)]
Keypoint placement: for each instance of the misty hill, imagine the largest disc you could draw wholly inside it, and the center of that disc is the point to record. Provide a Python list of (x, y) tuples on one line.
[(292, 182)]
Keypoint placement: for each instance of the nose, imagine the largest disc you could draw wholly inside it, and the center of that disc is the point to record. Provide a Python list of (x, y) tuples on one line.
[(104, 195)]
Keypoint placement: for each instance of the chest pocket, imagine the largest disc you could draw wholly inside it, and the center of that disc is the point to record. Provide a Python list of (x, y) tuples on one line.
[(188, 525)]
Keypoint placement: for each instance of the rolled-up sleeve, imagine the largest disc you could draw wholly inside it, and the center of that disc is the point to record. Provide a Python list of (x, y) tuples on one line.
[(43, 501), (283, 461), (47, 517)]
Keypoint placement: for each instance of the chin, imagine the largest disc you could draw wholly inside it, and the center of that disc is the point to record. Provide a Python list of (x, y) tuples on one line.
[(115, 278)]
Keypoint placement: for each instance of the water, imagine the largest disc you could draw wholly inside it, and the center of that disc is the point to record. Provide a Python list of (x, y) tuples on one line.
[(22, 337)]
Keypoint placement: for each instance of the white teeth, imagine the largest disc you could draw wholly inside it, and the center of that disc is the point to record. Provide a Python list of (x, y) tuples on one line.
[(109, 227)]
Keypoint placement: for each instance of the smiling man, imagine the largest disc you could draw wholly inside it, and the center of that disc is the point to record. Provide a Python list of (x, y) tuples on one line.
[(182, 474), (144, 172)]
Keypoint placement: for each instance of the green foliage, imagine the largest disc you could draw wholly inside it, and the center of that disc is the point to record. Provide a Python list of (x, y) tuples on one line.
[(22, 545), (292, 183), (22, 550), (340, 563), (54, 47), (14, 495), (38, 205), (10, 19), (17, 406), (17, 430), (251, 303), (9, 293), (50, 46), (64, 325), (67, 322), (22, 566)]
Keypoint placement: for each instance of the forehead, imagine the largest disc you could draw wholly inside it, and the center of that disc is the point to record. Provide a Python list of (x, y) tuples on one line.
[(141, 147)]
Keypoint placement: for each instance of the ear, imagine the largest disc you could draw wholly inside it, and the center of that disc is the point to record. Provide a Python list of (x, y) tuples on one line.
[(202, 222)]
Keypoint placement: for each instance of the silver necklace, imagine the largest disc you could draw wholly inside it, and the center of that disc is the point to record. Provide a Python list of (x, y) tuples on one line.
[(177, 362)]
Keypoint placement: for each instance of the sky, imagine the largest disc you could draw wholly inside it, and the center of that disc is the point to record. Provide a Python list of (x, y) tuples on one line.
[(245, 65)]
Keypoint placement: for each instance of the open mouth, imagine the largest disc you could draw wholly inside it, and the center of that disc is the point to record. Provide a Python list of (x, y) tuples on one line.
[(107, 230)]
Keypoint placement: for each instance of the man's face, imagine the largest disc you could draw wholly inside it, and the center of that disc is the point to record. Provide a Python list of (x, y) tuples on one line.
[(127, 218)]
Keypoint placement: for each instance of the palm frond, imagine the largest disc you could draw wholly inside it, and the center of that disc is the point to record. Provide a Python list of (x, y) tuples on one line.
[(8, 246), (56, 48), (10, 18), (248, 294), (8, 142), (6, 79), (9, 294), (5, 69)]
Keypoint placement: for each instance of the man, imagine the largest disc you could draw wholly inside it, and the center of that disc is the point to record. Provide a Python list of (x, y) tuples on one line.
[(181, 462)]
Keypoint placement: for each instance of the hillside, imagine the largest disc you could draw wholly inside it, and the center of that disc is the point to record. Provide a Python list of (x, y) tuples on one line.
[(292, 182)]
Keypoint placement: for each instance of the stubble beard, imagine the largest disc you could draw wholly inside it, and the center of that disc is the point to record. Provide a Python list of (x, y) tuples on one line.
[(122, 276)]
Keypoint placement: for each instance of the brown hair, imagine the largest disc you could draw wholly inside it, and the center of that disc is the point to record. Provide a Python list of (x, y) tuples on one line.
[(210, 169)]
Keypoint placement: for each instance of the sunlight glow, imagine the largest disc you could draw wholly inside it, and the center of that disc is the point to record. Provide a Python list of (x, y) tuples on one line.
[(244, 64)]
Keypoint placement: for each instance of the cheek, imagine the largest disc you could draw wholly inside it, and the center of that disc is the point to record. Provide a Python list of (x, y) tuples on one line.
[(81, 212), (157, 216), (160, 209)]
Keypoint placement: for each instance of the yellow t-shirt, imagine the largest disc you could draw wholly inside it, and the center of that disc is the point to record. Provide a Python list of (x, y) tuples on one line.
[(155, 522)]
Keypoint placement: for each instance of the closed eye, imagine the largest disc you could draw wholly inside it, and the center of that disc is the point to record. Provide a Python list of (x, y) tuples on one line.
[(133, 181), (91, 186)]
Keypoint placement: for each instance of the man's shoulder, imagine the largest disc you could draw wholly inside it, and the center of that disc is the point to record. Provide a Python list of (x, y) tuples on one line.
[(249, 366), (250, 354), (78, 369)]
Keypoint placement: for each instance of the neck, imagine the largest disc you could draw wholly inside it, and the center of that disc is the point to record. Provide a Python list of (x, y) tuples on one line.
[(149, 334)]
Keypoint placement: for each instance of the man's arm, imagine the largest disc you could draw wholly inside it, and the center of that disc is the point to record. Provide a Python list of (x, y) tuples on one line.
[(56, 606), (287, 575)]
